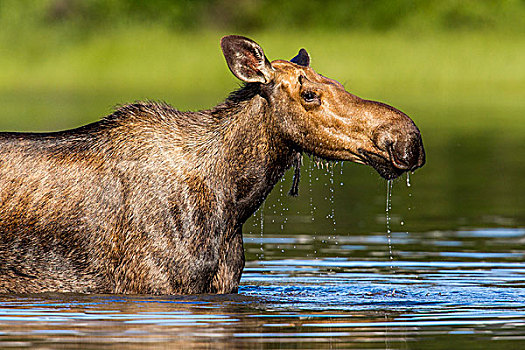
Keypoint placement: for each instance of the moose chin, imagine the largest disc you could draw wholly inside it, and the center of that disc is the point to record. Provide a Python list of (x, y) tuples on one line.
[(152, 200)]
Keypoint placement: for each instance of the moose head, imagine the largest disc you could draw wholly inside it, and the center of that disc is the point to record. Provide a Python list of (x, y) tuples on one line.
[(318, 116)]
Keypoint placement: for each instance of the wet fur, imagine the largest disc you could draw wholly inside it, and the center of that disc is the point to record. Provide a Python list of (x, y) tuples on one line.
[(147, 200), (151, 200)]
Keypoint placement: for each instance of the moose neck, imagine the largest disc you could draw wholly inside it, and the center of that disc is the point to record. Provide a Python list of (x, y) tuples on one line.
[(253, 154)]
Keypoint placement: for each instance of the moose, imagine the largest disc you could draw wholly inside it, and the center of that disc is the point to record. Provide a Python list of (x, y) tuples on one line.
[(152, 200)]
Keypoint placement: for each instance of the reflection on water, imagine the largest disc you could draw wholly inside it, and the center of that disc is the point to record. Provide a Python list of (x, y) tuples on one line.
[(436, 290)]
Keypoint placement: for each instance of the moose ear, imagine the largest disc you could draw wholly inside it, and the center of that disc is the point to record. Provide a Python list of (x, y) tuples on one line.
[(246, 59), (302, 58)]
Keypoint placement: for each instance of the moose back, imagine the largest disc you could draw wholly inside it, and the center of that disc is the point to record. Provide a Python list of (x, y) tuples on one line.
[(151, 200)]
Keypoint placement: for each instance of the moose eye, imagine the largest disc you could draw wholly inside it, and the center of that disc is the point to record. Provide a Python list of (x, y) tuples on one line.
[(309, 96)]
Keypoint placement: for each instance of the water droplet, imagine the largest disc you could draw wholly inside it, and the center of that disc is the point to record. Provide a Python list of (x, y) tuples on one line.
[(310, 191), (409, 194), (388, 208), (332, 199), (261, 209)]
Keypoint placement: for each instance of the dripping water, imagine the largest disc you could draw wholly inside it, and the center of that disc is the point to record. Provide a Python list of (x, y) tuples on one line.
[(312, 206), (410, 191), (280, 209), (279, 200), (285, 209), (409, 196), (325, 241), (261, 221), (388, 208), (254, 227), (332, 201)]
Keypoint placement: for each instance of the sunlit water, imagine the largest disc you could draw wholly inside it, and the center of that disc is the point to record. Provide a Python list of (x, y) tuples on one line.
[(441, 287), (438, 290)]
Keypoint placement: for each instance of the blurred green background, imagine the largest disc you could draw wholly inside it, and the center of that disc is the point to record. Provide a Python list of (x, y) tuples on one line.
[(456, 67), (64, 62)]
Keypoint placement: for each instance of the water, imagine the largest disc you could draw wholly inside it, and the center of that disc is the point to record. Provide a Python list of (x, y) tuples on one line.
[(389, 185), (453, 274), (261, 226), (442, 293)]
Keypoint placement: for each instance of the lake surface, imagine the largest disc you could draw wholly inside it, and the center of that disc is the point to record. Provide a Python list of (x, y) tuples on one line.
[(444, 268)]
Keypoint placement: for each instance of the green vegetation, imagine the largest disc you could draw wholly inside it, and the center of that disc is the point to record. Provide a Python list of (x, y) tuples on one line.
[(81, 17), (68, 62)]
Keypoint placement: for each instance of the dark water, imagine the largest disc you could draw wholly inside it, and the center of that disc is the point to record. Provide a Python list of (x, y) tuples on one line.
[(323, 272)]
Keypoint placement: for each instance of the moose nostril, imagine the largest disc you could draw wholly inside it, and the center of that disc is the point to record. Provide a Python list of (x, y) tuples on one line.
[(407, 155), (400, 155)]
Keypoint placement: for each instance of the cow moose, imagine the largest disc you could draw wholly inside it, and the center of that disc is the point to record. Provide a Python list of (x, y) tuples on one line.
[(152, 200)]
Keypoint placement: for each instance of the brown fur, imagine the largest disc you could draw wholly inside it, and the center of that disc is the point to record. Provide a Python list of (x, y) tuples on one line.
[(152, 200)]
